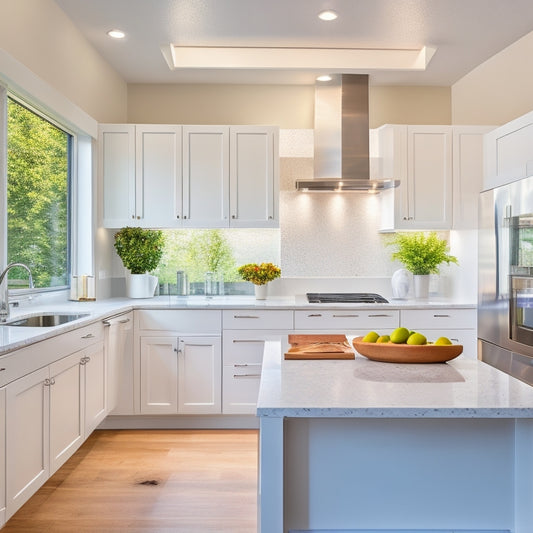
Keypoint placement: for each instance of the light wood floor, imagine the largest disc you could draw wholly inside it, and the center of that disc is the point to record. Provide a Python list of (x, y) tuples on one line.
[(153, 481)]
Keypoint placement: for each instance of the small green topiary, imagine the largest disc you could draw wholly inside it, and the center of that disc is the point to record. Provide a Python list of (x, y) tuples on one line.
[(140, 249), (420, 253)]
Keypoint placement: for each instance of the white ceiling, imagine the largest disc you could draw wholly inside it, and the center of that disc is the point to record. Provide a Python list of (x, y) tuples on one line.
[(465, 33)]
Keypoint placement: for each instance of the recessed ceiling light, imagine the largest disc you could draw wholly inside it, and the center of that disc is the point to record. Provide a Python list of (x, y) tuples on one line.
[(327, 15), (116, 34), (326, 77)]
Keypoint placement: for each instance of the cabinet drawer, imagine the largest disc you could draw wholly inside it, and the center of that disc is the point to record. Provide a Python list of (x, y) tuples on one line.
[(179, 321), (254, 319), (21, 362), (246, 347), (419, 319), (241, 389), (348, 320)]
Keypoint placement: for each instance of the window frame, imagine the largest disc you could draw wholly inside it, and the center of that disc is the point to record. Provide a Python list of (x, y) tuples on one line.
[(5, 94)]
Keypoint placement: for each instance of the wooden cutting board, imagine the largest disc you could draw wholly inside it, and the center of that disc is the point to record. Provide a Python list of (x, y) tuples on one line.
[(319, 347)]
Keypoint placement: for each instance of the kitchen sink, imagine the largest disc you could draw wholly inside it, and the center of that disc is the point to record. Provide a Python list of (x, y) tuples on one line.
[(45, 320)]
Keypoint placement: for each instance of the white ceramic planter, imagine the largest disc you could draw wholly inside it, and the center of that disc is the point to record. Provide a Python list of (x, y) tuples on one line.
[(140, 285), (421, 286), (261, 292)]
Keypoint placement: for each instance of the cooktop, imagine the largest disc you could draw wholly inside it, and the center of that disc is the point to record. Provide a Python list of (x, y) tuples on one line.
[(345, 297)]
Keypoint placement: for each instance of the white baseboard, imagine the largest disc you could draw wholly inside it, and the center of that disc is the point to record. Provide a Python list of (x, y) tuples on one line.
[(181, 422)]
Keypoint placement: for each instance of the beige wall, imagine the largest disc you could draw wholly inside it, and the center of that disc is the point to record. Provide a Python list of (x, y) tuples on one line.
[(497, 91), (288, 106), (40, 36), (409, 105)]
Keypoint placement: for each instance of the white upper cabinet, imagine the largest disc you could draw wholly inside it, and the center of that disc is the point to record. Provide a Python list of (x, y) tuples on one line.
[(206, 176), (158, 175), (116, 158), (421, 158), (189, 176), (467, 174), (254, 176), (509, 152), (140, 168)]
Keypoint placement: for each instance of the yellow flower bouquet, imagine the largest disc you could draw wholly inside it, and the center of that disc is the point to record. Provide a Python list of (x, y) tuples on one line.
[(259, 274)]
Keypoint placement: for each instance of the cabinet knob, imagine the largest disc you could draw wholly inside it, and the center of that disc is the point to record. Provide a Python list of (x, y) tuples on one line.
[(138, 218), (234, 216), (184, 217)]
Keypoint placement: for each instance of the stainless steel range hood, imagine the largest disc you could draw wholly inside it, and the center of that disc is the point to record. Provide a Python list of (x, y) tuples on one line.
[(341, 157)]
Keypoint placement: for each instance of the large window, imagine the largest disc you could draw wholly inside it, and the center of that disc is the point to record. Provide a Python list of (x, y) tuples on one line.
[(221, 251), (38, 178)]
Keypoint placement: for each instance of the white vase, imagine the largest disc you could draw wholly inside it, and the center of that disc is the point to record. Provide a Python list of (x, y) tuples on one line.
[(140, 285), (400, 284), (421, 286), (261, 291)]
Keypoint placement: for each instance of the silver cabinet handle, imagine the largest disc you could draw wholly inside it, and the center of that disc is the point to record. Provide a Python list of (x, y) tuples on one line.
[(314, 315), (441, 316), (243, 365), (106, 323), (124, 321), (48, 382), (84, 360), (245, 316), (88, 336), (241, 376), (379, 315), (2, 369), (345, 316), (238, 341)]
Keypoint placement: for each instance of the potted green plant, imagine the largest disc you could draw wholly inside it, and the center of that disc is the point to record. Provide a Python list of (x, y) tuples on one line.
[(140, 250), (422, 254), (259, 274)]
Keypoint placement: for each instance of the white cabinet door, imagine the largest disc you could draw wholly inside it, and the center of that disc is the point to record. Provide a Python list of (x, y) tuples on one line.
[(27, 437), (508, 153), (199, 375), (95, 375), (467, 174), (254, 176), (421, 158), (116, 159), (2, 456), (66, 409), (429, 174), (242, 358), (205, 176), (119, 354), (158, 175), (158, 375)]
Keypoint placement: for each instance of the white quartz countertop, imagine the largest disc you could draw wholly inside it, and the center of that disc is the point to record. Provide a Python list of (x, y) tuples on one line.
[(12, 338), (360, 388)]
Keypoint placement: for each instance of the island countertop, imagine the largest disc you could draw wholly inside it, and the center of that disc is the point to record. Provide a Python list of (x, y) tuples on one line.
[(361, 388)]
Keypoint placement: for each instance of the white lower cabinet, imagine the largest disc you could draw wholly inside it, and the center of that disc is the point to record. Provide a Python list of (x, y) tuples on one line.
[(2, 457), (50, 411), (95, 386), (180, 375), (459, 325), (27, 438), (243, 359), (66, 384), (119, 352)]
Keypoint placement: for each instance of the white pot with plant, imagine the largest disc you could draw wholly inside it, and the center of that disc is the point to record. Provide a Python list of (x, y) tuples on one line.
[(260, 275), (140, 250), (422, 254)]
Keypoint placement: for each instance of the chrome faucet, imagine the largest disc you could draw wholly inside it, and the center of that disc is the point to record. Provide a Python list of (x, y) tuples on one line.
[(4, 295)]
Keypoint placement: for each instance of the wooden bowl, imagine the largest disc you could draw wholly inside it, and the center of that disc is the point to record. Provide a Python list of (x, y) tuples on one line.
[(405, 353)]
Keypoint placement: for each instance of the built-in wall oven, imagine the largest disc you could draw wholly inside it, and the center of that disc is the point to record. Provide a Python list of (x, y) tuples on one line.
[(505, 305)]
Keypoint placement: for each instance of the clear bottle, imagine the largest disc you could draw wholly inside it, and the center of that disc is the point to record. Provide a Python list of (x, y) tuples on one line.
[(182, 283), (210, 285)]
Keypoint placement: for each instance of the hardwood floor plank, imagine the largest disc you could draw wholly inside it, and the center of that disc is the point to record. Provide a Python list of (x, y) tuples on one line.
[(150, 481)]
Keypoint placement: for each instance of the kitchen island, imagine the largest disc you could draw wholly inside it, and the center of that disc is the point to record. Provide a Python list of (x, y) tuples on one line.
[(357, 445)]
